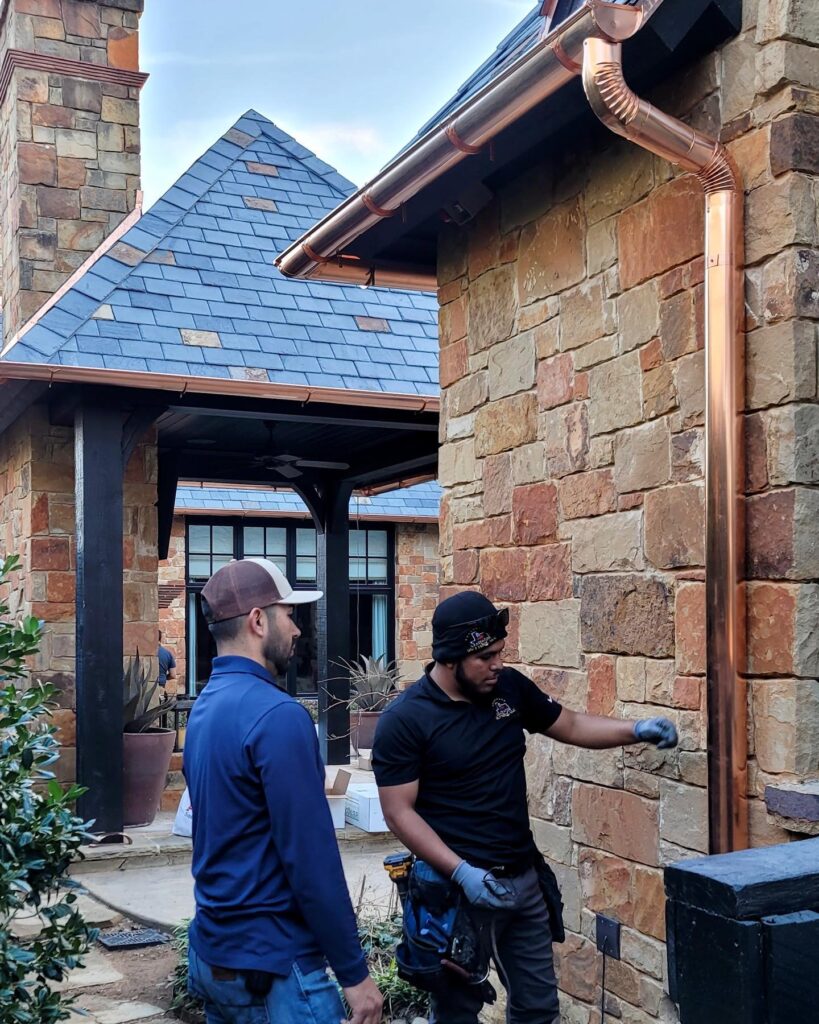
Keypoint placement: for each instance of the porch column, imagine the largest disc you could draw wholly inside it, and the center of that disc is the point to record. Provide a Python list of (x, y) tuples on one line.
[(333, 622), (98, 494)]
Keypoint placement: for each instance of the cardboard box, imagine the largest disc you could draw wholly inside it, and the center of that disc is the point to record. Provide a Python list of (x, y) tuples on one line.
[(364, 808), (336, 792), (365, 761)]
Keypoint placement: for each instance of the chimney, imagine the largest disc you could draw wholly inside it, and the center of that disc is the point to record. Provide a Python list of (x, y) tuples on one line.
[(69, 140)]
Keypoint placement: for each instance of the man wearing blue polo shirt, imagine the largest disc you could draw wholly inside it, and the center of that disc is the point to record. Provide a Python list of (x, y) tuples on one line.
[(272, 906)]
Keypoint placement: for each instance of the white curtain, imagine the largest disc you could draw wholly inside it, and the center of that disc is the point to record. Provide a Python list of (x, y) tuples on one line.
[(380, 626)]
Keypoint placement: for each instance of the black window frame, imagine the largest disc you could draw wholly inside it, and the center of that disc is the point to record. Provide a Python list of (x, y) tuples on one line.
[(291, 525)]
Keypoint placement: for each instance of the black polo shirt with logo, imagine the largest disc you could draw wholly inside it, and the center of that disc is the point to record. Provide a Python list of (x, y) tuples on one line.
[(468, 760)]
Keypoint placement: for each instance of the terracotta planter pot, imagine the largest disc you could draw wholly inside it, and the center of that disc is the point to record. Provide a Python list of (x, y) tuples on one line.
[(146, 759), (362, 728)]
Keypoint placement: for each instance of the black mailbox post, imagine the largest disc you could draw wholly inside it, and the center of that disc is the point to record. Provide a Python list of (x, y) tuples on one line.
[(743, 936)]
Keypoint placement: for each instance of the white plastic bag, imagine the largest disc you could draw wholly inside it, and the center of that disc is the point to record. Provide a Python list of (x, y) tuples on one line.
[(183, 823)]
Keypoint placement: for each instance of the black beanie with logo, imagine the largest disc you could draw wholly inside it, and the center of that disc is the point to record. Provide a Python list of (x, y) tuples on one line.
[(465, 624)]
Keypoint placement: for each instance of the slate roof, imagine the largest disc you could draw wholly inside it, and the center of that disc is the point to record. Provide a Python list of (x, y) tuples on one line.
[(407, 503), (523, 38), (191, 288)]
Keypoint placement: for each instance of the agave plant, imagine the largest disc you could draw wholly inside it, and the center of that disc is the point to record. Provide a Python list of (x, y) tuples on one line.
[(139, 691), (372, 681)]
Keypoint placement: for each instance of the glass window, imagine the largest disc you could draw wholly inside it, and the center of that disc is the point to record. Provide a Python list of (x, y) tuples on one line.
[(254, 541), (266, 542), (209, 548), (368, 556), (306, 555)]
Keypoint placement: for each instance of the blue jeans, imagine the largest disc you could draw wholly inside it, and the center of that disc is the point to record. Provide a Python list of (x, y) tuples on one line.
[(297, 999)]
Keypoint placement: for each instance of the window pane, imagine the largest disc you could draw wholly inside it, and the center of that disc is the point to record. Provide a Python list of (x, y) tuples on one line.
[(377, 570), (193, 600), (357, 569), (377, 543), (379, 626), (306, 570), (254, 540), (306, 542), (276, 541), (220, 560), (280, 563), (199, 566), (358, 540), (199, 538), (223, 540)]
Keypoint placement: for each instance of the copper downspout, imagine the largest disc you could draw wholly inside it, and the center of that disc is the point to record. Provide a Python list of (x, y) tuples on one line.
[(555, 60), (635, 119)]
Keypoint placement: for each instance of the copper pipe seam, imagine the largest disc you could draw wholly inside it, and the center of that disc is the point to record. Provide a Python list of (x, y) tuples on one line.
[(632, 117)]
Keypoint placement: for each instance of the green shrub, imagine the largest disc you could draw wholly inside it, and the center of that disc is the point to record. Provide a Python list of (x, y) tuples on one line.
[(39, 835), (183, 1004)]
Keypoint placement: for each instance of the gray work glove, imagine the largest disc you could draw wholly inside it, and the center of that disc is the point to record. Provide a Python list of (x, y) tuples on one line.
[(660, 731), (482, 889)]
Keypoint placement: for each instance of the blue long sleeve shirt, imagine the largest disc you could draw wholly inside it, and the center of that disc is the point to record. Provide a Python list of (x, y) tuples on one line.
[(269, 885)]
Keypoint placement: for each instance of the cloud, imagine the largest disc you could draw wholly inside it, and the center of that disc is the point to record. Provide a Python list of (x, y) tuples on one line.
[(358, 138)]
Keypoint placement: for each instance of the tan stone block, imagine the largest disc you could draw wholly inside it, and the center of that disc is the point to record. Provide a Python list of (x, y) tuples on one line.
[(117, 164), (638, 313), (620, 176), (601, 246), (649, 902), (690, 628), (644, 954), (553, 841), (497, 484), (599, 351), (551, 253), (781, 364), (492, 308), (660, 676), (785, 724), (659, 392), (32, 86), (37, 164), (587, 494), (71, 173), (642, 457), (601, 452), (771, 628), (550, 633), (528, 463), (615, 390), (79, 234), (737, 77), (76, 144), (616, 821), (81, 19), (503, 574), (555, 379), (120, 111), (675, 526), (789, 286), (582, 318), (506, 424), (609, 543), (566, 434), (784, 63), (606, 884), (751, 153), (689, 376), (577, 965), (787, 19), (457, 463), (631, 679), (779, 214), (512, 366)]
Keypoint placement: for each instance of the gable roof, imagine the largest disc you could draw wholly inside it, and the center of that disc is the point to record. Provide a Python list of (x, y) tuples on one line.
[(191, 288), (421, 501)]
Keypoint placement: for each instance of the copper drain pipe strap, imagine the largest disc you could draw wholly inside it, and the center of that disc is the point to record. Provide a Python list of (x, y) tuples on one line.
[(632, 117), (459, 143), (373, 207)]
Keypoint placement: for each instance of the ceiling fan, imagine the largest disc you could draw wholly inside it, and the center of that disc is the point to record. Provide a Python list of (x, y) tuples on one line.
[(286, 465)]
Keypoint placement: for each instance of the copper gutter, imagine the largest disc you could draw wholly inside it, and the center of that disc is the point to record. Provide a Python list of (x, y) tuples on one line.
[(226, 386), (552, 62), (635, 119), (261, 513)]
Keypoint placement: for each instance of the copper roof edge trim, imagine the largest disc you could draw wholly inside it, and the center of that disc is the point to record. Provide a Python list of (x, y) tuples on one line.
[(525, 83), (107, 243), (632, 117), (272, 513), (227, 386)]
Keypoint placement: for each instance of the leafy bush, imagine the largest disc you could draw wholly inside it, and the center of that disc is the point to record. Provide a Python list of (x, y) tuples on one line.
[(39, 835), (183, 1004)]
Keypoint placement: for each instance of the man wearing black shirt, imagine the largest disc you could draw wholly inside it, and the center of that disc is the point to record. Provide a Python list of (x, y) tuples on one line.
[(448, 760)]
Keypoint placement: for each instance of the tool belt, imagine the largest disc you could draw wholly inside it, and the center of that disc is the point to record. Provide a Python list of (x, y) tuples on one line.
[(551, 895), (440, 941)]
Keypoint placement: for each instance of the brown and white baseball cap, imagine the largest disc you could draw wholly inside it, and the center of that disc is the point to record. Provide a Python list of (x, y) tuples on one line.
[(250, 583)]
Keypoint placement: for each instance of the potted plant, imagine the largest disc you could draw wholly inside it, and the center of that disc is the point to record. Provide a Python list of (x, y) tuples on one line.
[(147, 748), (373, 683)]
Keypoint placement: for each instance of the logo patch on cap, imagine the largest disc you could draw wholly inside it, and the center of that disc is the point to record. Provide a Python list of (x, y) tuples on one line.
[(477, 640)]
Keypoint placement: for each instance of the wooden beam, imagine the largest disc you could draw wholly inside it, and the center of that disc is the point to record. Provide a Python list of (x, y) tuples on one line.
[(167, 481), (424, 422), (333, 619), (15, 398), (135, 426), (98, 495)]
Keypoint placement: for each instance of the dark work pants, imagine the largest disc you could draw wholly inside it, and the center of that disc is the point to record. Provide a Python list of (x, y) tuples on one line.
[(523, 957)]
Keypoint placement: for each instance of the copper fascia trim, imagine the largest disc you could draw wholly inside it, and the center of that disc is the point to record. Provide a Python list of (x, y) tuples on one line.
[(65, 66), (373, 207), (635, 119), (525, 83), (107, 243), (226, 386)]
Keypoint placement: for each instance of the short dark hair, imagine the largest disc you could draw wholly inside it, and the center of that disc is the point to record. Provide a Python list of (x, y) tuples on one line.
[(227, 629)]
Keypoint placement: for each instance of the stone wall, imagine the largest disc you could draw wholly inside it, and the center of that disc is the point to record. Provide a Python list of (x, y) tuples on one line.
[(69, 140), (37, 512), (573, 396), (416, 594)]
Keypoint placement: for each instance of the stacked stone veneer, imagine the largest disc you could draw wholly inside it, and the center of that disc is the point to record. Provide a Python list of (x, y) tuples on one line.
[(416, 594), (37, 517), (573, 377), (69, 139)]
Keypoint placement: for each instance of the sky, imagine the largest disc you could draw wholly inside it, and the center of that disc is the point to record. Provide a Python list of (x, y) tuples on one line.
[(352, 80)]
